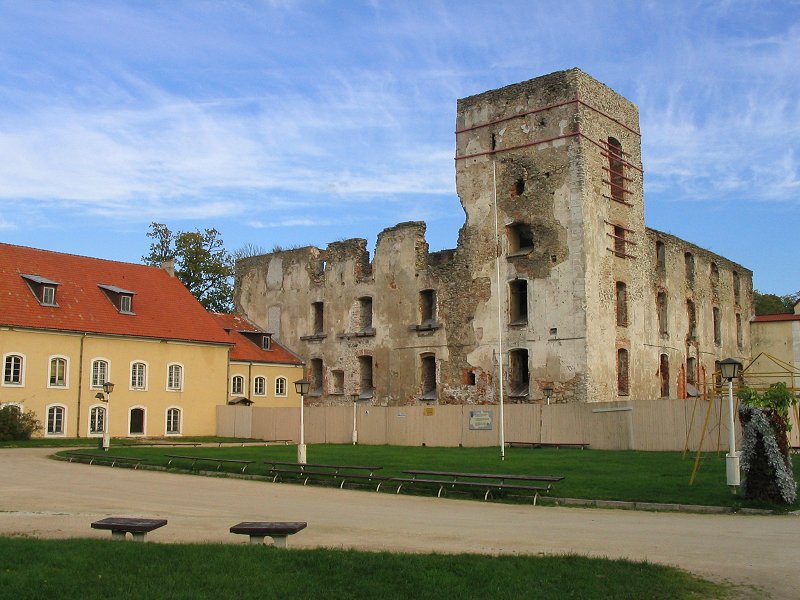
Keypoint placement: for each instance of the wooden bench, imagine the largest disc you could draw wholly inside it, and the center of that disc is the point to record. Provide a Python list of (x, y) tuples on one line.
[(487, 482), (137, 527), (278, 531), (114, 460), (555, 445), (337, 473), (220, 461)]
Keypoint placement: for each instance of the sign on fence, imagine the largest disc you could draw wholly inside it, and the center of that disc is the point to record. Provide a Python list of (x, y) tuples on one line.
[(480, 420)]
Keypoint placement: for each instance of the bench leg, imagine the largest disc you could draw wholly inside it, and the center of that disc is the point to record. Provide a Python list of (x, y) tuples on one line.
[(138, 536), (279, 541), (256, 540), (117, 535)]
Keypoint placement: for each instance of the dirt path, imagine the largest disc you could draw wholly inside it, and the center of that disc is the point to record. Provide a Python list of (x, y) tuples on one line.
[(48, 498)]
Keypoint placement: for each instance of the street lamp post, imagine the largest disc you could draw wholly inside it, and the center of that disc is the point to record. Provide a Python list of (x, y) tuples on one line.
[(354, 398), (301, 387), (108, 387), (729, 369)]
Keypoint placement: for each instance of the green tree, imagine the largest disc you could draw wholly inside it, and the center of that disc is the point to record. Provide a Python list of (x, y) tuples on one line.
[(772, 304), (17, 425), (201, 263)]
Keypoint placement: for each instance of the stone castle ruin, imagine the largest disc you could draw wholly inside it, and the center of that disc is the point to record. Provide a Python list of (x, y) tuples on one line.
[(590, 304)]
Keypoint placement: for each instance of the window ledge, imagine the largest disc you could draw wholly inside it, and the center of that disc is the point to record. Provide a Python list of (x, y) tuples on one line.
[(368, 332), (519, 324), (317, 337), (427, 326), (521, 252)]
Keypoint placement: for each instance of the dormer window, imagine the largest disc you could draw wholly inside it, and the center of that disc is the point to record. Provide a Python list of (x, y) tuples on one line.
[(121, 299), (48, 295), (266, 343), (44, 289)]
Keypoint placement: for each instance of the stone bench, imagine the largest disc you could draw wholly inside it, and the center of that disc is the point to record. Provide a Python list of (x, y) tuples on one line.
[(278, 531), (137, 527)]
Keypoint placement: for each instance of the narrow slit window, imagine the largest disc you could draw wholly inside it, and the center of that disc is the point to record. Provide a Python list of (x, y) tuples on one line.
[(616, 169), (661, 258), (622, 372), (518, 302), (427, 307), (519, 374), (366, 388), (318, 313), (428, 376), (316, 377), (622, 304), (688, 259), (715, 314), (619, 240), (661, 307), (691, 315)]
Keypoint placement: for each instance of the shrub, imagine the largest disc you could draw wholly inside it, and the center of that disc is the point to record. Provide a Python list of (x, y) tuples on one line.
[(17, 425)]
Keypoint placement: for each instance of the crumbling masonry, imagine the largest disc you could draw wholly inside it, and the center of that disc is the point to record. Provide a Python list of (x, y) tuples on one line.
[(591, 303)]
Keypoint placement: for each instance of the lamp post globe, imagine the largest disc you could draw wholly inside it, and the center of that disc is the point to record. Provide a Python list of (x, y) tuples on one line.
[(729, 368)]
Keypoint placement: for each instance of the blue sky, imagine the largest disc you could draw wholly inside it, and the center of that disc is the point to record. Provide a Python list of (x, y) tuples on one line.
[(298, 122)]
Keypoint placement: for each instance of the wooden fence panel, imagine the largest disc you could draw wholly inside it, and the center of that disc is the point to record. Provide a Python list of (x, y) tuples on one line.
[(565, 423), (441, 425), (480, 438), (523, 422), (657, 424), (372, 425), (404, 426), (338, 424)]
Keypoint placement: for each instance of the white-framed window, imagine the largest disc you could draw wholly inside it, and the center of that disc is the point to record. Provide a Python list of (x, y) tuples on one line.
[(138, 375), (280, 386), (137, 420), (174, 421), (266, 342), (57, 375), (97, 420), (237, 384), (13, 369), (56, 420), (125, 303), (175, 377), (100, 372), (49, 295), (260, 386)]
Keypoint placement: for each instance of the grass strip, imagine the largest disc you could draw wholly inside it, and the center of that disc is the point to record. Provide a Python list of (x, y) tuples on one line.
[(632, 476), (105, 570)]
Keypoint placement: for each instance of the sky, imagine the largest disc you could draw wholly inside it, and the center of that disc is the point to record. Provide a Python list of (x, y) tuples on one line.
[(297, 122)]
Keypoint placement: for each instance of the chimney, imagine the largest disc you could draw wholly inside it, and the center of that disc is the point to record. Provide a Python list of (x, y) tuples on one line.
[(169, 266)]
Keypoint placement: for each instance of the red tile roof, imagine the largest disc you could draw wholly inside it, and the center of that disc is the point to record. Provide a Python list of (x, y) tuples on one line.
[(162, 307), (248, 348), (781, 317)]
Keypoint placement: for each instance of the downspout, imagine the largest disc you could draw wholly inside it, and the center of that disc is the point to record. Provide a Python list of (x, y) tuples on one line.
[(80, 385)]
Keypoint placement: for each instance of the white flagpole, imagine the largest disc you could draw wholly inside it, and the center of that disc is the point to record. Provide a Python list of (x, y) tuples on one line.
[(499, 313)]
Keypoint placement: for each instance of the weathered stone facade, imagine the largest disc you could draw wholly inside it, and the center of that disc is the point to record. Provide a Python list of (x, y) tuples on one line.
[(584, 306)]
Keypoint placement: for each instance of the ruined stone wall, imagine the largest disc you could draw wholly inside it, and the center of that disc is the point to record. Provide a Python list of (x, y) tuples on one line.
[(549, 175)]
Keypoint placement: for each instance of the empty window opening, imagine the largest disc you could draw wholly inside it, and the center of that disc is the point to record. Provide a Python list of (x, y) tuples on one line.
[(714, 275), (664, 371), (137, 421), (717, 325), (365, 313), (316, 377), (622, 304), (494, 142), (691, 370), (472, 378), (739, 332), (554, 331), (520, 238), (518, 302), (661, 258), (688, 259), (619, 240), (622, 372), (691, 315), (337, 382), (661, 307), (519, 187), (737, 287), (616, 168), (519, 375), (318, 314), (428, 377), (427, 307), (366, 388)]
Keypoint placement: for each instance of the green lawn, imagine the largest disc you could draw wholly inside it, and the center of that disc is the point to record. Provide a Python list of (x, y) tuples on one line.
[(591, 474), (107, 570)]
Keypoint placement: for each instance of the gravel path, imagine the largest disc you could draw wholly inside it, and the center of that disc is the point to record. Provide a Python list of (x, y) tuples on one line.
[(47, 498)]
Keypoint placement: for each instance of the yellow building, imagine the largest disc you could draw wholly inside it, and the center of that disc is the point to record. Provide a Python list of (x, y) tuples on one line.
[(776, 349), (69, 324), (261, 370)]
